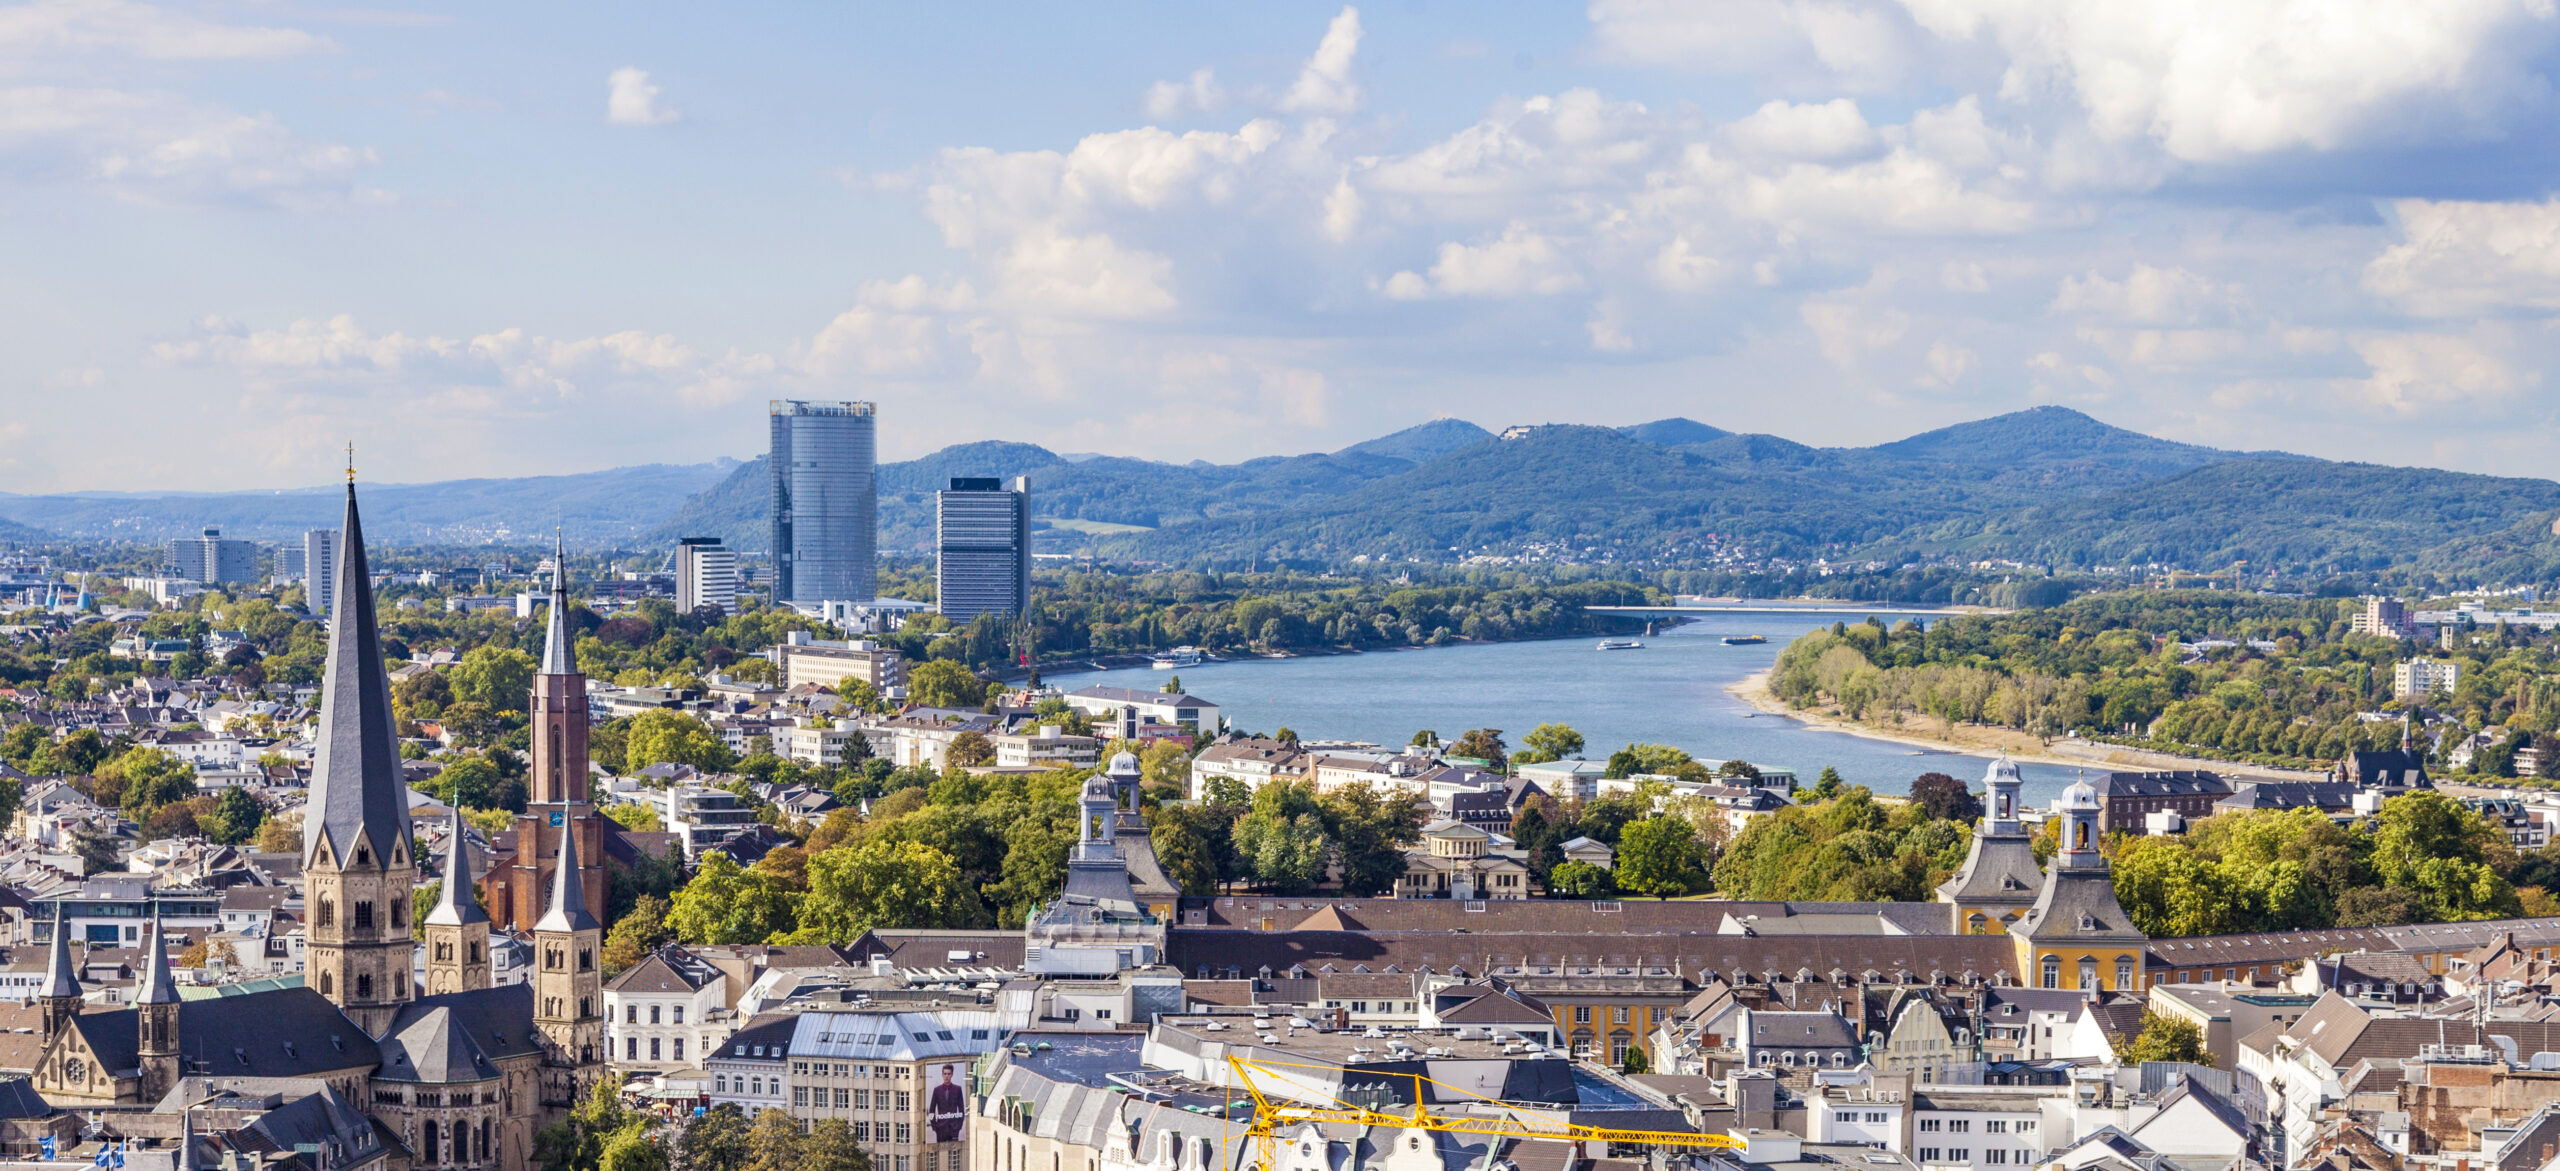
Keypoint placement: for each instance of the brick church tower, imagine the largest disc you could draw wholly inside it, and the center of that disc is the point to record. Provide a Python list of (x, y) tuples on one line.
[(559, 797)]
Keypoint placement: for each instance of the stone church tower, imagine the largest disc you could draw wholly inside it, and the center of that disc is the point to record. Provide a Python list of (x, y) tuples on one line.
[(559, 805), (457, 929), (568, 989), (359, 866)]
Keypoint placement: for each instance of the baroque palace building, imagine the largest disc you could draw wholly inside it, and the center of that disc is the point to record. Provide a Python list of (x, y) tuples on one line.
[(460, 1073)]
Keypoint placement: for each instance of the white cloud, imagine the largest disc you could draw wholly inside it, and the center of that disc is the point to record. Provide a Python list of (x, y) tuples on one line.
[(1519, 262), (2148, 295), (50, 28), (161, 148), (1172, 99), (631, 100), (1859, 45), (2460, 258), (2416, 372), (1324, 86), (1948, 363), (1826, 131)]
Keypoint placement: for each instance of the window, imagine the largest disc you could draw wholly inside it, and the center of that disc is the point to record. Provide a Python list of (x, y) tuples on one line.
[(679, 1015), (631, 1048), (1995, 1155), (653, 1049), (1959, 1125), (862, 1099), (1928, 1154), (799, 1095), (844, 1097), (328, 911), (1875, 1116), (1959, 1154), (2088, 971), (1582, 1014), (653, 1014), (631, 1014), (679, 1048), (1618, 1015), (2124, 972), (1928, 1126), (862, 1132), (364, 913), (720, 1083), (2053, 971), (364, 987), (1995, 1126), (903, 1106), (906, 1132)]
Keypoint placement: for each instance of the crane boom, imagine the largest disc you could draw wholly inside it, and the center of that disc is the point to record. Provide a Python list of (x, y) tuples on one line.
[(1271, 1113)]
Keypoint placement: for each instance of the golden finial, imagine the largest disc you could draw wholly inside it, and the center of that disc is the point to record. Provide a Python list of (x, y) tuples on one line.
[(351, 461)]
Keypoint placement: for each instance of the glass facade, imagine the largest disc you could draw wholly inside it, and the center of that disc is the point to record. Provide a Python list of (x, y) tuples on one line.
[(824, 516), (982, 548)]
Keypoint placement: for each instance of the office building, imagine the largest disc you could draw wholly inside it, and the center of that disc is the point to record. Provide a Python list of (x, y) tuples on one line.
[(2386, 617), (983, 545), (319, 570), (806, 660), (823, 504), (706, 575), (288, 562), (210, 559)]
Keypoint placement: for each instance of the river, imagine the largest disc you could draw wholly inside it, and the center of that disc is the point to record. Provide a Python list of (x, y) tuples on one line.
[(1670, 692)]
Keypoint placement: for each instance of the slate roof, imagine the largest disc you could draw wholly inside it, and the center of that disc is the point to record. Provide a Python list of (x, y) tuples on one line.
[(654, 974), (355, 779), (559, 654), (2291, 795), (2177, 783), (455, 1036), (1801, 1030), (457, 904), (290, 1032)]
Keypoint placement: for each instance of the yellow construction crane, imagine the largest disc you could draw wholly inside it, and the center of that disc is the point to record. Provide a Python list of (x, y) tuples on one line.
[(1270, 1113)]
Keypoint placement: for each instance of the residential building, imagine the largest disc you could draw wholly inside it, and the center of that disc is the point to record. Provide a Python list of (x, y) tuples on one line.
[(1797, 1040), (2045, 1024), (701, 818), (982, 548), (1922, 1034), (1112, 708), (1047, 746), (320, 570), (1252, 763), (826, 744), (1973, 1127), (747, 1068), (706, 575), (2225, 1012), (1568, 780), (2420, 678), (1858, 1109), (897, 1073), (667, 1012), (210, 559), (2384, 617), (805, 660), (824, 501)]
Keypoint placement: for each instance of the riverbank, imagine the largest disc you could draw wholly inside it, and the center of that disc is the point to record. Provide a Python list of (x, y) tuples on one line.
[(1934, 733)]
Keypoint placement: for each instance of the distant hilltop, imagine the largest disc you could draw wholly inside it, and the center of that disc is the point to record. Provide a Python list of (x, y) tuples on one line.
[(2046, 487)]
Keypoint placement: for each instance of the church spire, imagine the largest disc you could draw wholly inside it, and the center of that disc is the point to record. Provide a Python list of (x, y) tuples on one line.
[(158, 987), (457, 905), (559, 655), (568, 910), (356, 788), (61, 978)]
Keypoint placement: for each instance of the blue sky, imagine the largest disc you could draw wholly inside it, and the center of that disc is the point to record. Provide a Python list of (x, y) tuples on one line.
[(520, 239)]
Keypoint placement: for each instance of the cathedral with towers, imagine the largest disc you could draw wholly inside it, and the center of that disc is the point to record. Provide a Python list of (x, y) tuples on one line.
[(459, 1072)]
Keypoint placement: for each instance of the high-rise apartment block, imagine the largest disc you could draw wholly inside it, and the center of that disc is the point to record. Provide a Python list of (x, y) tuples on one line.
[(320, 570), (2420, 678), (823, 501), (706, 575), (982, 541), (209, 558), (2382, 616)]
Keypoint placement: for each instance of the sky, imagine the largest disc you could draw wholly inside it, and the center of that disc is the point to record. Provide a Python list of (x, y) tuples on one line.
[(539, 238)]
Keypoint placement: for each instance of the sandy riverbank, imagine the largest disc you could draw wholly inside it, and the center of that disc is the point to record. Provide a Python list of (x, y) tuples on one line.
[(1932, 732)]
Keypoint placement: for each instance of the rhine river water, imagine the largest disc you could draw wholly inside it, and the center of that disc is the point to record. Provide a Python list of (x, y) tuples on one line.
[(1670, 692)]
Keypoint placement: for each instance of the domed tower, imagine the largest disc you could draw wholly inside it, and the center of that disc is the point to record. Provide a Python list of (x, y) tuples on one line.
[(2076, 936), (2000, 878), (1126, 777), (1097, 925)]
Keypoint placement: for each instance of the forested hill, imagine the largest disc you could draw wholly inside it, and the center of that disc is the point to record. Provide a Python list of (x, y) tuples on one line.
[(2047, 486)]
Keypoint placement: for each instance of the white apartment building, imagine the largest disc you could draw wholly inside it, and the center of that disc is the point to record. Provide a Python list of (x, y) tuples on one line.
[(320, 570), (1049, 746), (1251, 763), (2420, 678), (825, 744), (666, 1013), (701, 818), (1979, 1126)]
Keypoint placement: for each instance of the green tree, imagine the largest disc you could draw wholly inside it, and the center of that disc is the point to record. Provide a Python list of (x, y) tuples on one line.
[(884, 884), (659, 736), (1581, 880), (1940, 795), (637, 933), (1552, 742), (634, 816), (235, 817), (830, 1146), (1827, 785), (1283, 852), (946, 684), (151, 777), (1191, 846), (2169, 890), (2439, 850), (715, 1140), (635, 1147), (969, 749), (1369, 834), (1483, 744), (773, 1142), (422, 899), (499, 677), (728, 903), (470, 781), (1659, 857), (2166, 1038)]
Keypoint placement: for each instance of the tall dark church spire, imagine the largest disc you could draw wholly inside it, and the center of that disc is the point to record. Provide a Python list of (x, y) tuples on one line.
[(356, 788), (359, 863), (559, 654)]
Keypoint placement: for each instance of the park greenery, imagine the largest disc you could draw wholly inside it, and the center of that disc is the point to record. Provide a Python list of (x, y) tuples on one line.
[(2280, 681)]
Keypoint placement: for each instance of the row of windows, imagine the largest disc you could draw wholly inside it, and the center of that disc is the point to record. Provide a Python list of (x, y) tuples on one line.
[(840, 1069), (750, 1086), (631, 1014), (1839, 1060), (631, 1049), (2088, 972), (1965, 1125), (1995, 1156), (1618, 1014), (849, 1099)]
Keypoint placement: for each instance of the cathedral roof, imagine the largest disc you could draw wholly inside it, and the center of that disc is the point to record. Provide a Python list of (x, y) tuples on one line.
[(457, 904), (290, 1032), (451, 1031), (356, 787)]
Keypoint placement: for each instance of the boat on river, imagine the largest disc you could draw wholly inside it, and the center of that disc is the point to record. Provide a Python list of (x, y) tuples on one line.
[(1177, 658), (1745, 639), (1620, 644)]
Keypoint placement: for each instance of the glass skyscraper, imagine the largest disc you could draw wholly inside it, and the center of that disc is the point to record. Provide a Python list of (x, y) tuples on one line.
[(824, 503), (982, 545)]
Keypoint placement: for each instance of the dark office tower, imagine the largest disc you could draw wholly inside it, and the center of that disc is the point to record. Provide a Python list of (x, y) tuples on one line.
[(823, 506), (983, 545)]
